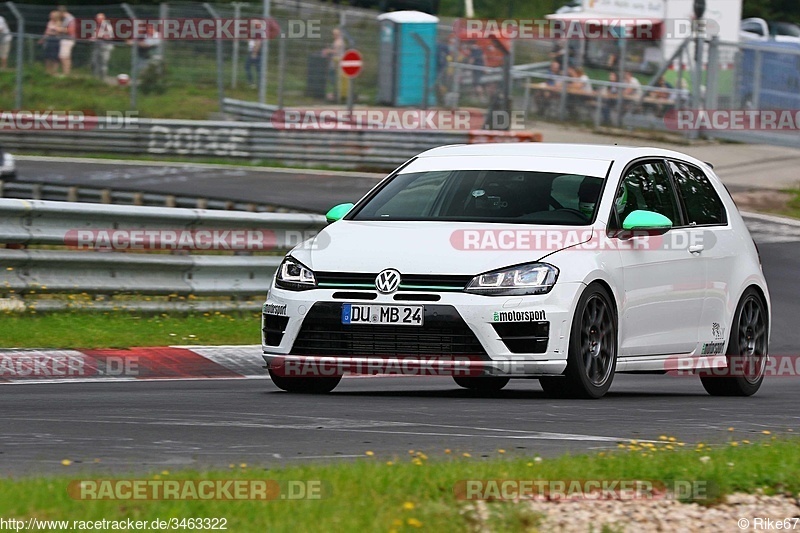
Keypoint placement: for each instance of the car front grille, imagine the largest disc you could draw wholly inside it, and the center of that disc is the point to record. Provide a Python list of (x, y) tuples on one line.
[(444, 333), (409, 282)]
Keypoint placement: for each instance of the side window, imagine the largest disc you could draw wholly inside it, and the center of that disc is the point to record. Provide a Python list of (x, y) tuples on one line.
[(647, 186), (703, 205)]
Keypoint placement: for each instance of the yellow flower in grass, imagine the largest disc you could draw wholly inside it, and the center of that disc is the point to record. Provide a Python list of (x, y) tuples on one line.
[(413, 522), (408, 506)]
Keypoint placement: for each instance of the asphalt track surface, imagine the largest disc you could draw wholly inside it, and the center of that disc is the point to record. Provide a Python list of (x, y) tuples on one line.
[(144, 426), (312, 190)]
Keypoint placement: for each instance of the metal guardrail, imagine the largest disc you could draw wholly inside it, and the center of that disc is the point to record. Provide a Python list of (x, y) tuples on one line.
[(74, 193), (382, 149), (248, 111), (97, 271)]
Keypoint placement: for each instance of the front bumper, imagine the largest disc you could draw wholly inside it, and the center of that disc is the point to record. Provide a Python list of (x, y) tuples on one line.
[(484, 335)]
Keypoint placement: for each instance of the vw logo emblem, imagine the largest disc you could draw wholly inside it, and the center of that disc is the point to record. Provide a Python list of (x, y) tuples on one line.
[(387, 281)]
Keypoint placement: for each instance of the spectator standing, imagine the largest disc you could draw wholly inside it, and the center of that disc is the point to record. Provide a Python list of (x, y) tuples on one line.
[(477, 59), (68, 33), (5, 43), (51, 40), (610, 95), (253, 62), (147, 48), (102, 46), (334, 54)]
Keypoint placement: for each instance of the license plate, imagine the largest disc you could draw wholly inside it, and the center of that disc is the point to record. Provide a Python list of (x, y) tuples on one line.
[(398, 315)]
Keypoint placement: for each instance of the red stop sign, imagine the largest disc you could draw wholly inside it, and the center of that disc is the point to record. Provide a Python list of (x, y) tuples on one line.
[(351, 63)]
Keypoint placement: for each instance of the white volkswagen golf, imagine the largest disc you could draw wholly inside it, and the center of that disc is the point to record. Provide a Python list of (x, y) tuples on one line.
[(563, 263)]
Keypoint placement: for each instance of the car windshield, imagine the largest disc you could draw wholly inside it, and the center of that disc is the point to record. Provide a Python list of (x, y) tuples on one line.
[(506, 196)]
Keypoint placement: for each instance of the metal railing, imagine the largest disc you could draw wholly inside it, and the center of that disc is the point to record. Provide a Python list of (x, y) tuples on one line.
[(73, 193), (59, 264), (377, 149)]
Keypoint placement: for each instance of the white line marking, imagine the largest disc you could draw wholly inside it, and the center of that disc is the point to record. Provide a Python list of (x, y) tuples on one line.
[(775, 219), (504, 433)]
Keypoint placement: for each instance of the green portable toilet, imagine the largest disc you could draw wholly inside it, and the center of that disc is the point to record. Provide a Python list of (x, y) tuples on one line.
[(401, 73)]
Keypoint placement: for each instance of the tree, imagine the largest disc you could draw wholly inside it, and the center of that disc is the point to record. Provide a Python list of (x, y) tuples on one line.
[(785, 10)]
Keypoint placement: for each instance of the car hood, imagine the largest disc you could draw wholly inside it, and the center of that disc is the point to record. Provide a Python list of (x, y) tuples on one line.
[(433, 247)]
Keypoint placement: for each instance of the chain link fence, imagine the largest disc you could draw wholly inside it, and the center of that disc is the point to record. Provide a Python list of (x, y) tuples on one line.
[(300, 64), (620, 83)]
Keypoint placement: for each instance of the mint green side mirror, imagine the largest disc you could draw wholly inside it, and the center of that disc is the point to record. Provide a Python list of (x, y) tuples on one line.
[(646, 220), (337, 212)]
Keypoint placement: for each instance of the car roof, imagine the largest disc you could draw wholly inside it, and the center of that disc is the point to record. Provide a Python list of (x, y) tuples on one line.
[(600, 152)]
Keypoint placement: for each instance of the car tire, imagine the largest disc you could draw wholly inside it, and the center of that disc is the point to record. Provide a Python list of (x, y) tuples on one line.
[(748, 340), (481, 384), (592, 355), (305, 385)]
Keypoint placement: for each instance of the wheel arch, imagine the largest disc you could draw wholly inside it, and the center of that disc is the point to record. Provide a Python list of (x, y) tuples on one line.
[(762, 295)]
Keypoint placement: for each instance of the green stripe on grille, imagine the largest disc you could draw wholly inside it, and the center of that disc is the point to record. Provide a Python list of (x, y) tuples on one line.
[(347, 285), (402, 286)]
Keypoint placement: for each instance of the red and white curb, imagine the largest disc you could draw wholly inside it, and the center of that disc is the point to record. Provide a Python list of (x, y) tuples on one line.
[(132, 364)]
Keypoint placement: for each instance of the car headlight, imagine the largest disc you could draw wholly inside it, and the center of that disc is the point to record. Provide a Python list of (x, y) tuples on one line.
[(294, 275), (534, 278)]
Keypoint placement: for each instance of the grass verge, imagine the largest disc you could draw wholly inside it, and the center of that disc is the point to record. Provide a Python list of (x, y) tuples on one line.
[(73, 329), (793, 205), (376, 494)]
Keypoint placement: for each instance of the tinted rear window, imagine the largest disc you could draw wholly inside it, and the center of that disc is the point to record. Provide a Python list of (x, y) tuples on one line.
[(703, 205)]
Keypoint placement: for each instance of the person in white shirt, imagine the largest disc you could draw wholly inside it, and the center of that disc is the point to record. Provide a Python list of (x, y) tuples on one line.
[(253, 62), (102, 47), (67, 43), (5, 43), (634, 88)]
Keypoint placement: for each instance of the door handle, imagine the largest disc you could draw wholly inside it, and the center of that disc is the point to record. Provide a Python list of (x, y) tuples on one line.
[(696, 248)]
